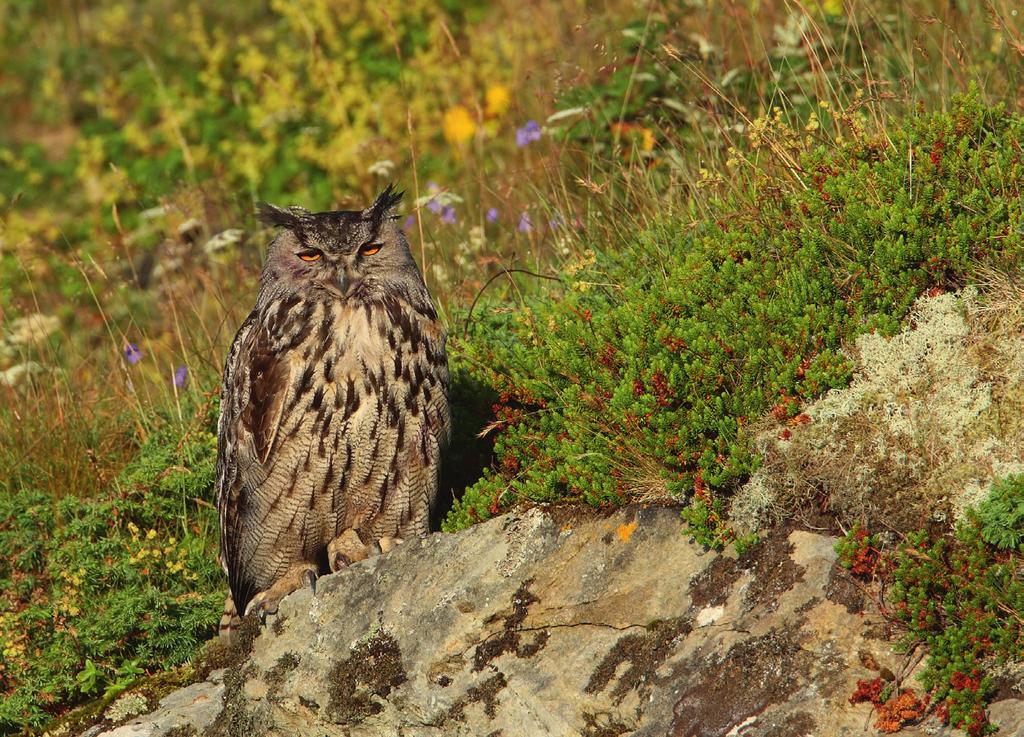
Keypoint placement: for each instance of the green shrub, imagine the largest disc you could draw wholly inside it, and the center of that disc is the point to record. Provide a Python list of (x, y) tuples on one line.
[(637, 377), (96, 592), (1002, 514)]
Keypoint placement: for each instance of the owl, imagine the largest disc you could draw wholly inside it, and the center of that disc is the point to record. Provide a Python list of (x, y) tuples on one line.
[(334, 407)]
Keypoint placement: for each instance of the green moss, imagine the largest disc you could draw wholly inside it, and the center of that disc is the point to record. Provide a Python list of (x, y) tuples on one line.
[(235, 720), (372, 670), (181, 731), (152, 688), (276, 675), (1001, 515)]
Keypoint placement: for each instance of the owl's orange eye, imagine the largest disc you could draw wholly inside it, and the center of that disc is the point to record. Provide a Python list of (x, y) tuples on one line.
[(310, 255), (370, 248)]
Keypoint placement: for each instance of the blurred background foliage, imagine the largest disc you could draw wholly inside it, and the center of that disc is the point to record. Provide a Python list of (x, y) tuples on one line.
[(570, 139)]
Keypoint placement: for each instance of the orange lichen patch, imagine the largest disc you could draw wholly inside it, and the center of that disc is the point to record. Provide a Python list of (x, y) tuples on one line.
[(625, 531)]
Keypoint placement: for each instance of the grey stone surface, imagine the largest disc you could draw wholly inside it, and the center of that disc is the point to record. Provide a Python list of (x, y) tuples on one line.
[(541, 624), (194, 706)]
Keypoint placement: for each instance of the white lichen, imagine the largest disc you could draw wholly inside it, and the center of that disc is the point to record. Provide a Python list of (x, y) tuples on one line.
[(931, 417), (128, 706), (921, 380)]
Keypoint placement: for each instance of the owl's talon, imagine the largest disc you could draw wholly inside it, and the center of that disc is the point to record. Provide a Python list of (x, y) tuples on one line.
[(266, 602), (262, 605), (309, 578), (348, 548), (339, 561)]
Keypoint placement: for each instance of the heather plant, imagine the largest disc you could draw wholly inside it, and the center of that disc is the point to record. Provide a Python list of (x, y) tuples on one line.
[(858, 551), (961, 598), (635, 378)]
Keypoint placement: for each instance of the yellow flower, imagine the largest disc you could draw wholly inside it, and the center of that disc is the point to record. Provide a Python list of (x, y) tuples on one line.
[(497, 99), (459, 125), (647, 138), (833, 7), (151, 534)]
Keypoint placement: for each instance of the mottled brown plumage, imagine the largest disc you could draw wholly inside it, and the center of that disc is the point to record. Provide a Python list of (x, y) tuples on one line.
[(334, 408)]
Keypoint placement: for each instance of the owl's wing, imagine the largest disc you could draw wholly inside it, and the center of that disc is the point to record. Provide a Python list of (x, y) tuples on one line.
[(269, 377), (256, 384)]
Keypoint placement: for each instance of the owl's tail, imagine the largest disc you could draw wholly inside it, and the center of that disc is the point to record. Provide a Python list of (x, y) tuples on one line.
[(229, 622)]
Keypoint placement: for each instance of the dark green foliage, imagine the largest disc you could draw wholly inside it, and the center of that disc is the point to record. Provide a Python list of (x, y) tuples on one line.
[(962, 598), (639, 375), (1002, 514), (96, 592)]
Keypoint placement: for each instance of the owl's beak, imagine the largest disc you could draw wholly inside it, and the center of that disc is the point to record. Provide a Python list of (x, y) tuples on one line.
[(344, 279)]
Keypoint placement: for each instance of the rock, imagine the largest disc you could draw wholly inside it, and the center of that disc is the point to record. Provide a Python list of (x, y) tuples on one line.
[(536, 623), (187, 711)]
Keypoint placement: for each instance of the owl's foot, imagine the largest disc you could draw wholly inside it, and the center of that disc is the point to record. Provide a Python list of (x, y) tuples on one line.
[(266, 602), (348, 548)]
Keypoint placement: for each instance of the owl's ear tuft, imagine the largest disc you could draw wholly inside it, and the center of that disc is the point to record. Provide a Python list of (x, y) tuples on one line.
[(280, 217), (385, 202)]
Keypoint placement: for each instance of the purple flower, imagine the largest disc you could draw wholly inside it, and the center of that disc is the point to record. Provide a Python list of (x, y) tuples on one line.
[(555, 223), (492, 215), (409, 222), (528, 133), (525, 223), (434, 206), (448, 215), (132, 354), (180, 376)]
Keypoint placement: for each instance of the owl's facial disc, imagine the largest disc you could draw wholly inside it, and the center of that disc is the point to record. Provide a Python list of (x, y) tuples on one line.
[(350, 254)]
